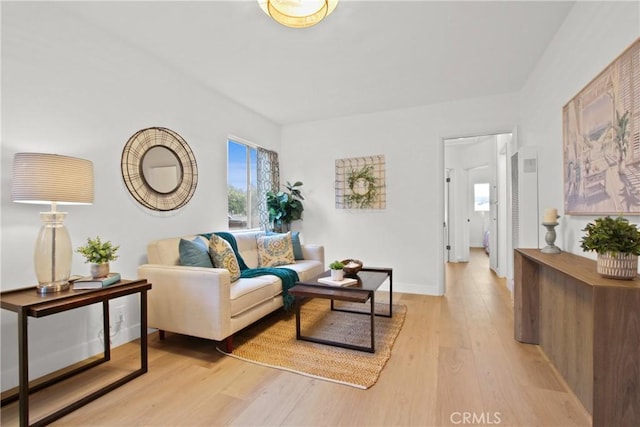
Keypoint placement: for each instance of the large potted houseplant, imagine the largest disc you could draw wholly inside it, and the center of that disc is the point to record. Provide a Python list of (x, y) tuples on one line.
[(285, 207), (99, 254), (617, 243)]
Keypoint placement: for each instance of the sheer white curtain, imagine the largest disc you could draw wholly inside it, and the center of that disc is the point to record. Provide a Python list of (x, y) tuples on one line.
[(268, 180)]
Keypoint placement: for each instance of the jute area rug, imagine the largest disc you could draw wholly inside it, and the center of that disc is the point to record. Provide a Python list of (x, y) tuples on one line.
[(272, 342)]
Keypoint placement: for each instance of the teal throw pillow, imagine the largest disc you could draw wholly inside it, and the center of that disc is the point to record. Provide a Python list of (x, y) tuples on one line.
[(194, 253), (295, 242)]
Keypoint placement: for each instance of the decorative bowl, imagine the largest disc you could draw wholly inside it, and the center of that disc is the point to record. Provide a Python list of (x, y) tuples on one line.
[(351, 266)]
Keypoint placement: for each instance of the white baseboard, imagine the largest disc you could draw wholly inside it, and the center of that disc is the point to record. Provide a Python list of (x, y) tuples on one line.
[(411, 288)]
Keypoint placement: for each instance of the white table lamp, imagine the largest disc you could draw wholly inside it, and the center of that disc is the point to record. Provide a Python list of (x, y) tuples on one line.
[(57, 180)]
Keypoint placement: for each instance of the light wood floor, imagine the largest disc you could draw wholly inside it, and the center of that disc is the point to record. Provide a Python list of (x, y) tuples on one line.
[(455, 362)]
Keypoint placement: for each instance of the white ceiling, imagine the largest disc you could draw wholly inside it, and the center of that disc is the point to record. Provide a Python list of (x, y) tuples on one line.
[(367, 56)]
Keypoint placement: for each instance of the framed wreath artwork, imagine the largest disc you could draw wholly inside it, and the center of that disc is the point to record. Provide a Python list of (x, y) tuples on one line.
[(360, 183)]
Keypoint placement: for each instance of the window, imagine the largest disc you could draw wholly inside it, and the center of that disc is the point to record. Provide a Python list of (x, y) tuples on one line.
[(242, 188), (481, 197)]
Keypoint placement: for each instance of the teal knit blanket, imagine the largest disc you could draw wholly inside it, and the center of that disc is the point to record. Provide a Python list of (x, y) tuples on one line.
[(288, 276)]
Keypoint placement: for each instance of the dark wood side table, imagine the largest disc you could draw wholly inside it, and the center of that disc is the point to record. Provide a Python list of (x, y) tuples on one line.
[(28, 303)]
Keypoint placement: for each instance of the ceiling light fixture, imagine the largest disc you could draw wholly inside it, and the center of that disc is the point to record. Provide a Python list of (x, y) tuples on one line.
[(298, 13)]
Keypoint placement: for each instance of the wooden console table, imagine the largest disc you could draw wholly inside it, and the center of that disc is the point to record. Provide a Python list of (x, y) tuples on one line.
[(588, 326), (28, 303)]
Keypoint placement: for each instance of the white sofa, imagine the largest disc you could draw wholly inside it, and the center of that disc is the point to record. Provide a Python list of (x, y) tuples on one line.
[(203, 302)]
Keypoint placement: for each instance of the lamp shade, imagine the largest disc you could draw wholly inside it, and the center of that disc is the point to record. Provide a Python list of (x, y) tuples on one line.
[(50, 178), (298, 13)]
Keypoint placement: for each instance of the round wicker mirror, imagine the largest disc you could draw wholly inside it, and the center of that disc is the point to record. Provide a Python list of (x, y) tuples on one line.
[(159, 169)]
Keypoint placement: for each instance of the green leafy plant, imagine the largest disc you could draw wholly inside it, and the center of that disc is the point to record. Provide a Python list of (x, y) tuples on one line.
[(285, 207), (98, 252), (336, 265), (611, 235)]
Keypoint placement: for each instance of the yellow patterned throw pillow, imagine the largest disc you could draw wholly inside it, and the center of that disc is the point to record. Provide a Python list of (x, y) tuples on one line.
[(275, 249), (223, 256)]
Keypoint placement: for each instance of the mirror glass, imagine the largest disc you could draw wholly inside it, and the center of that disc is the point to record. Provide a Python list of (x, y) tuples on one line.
[(161, 169)]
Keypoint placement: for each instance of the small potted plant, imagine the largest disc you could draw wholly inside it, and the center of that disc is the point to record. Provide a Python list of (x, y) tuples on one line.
[(617, 243), (99, 254), (336, 270)]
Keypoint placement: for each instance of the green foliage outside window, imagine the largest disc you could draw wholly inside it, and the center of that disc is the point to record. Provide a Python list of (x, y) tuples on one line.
[(237, 201)]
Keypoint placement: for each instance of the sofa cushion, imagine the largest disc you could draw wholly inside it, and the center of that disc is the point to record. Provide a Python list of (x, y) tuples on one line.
[(194, 253), (246, 241), (275, 250), (306, 269), (248, 293), (295, 243), (223, 256)]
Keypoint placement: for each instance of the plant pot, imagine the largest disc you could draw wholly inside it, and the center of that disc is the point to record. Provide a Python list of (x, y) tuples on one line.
[(281, 226), (99, 270), (337, 275), (617, 265)]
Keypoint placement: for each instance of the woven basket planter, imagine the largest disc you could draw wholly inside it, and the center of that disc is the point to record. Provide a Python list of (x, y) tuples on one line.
[(617, 265)]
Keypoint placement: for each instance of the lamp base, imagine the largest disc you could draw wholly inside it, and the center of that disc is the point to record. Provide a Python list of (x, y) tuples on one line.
[(52, 255), (49, 288)]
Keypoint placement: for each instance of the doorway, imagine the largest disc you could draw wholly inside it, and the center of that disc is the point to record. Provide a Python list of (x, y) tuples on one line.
[(468, 161)]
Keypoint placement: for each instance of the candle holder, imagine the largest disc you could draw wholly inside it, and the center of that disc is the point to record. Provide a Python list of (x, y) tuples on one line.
[(550, 238)]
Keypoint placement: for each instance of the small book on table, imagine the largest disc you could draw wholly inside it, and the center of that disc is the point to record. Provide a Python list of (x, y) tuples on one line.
[(344, 282), (96, 283)]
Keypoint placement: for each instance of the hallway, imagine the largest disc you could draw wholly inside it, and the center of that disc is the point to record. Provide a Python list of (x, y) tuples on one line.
[(483, 368)]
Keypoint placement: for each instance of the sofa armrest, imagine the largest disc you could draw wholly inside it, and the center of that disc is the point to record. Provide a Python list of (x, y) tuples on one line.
[(189, 300), (313, 252)]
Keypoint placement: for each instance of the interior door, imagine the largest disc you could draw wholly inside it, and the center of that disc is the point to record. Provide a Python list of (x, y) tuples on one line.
[(494, 220), (446, 231), (466, 206)]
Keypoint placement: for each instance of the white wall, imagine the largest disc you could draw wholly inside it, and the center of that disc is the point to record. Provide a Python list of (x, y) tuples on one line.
[(407, 235), (68, 88), (592, 36)]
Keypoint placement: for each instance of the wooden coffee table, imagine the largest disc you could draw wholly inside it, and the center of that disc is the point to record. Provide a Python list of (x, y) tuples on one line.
[(369, 281)]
